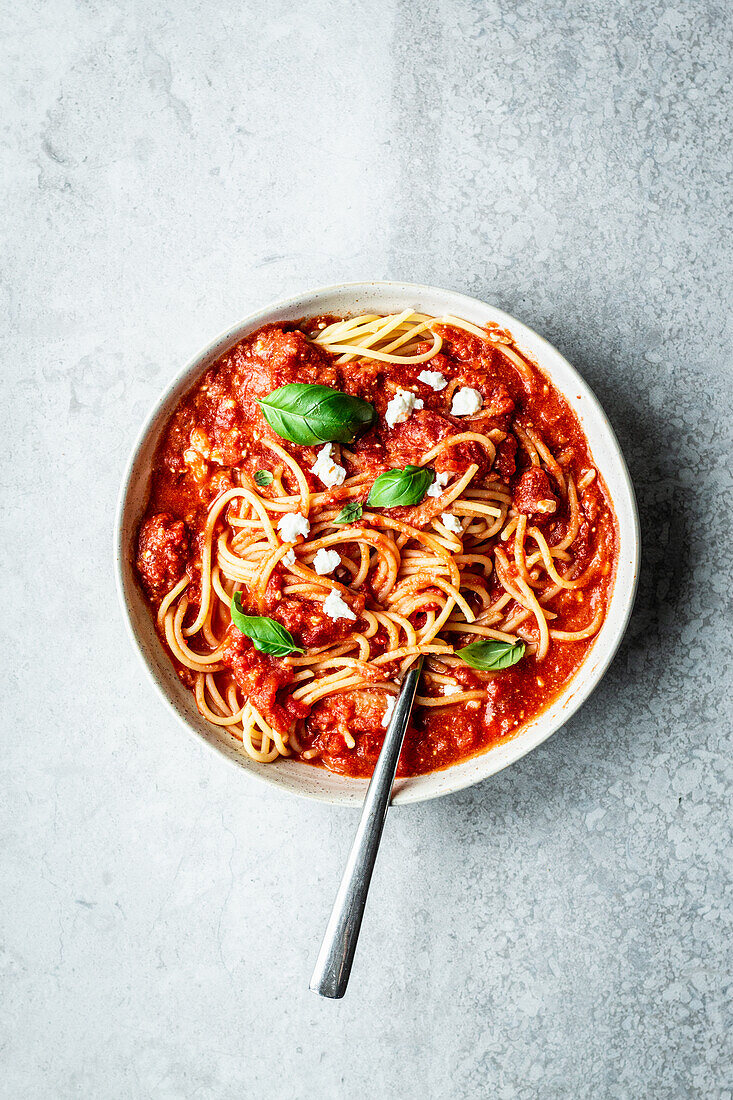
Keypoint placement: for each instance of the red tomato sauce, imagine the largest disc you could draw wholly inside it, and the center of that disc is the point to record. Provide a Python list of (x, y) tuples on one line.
[(216, 431)]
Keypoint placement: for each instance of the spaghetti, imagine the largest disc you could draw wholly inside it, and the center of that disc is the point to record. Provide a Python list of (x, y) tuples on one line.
[(513, 542)]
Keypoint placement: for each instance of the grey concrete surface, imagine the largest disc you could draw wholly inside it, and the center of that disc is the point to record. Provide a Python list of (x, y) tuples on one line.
[(559, 931)]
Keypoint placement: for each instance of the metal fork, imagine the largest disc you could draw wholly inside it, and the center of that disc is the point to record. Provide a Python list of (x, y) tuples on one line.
[(333, 965)]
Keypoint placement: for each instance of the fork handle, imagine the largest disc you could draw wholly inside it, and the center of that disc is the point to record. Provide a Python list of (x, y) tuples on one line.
[(333, 965)]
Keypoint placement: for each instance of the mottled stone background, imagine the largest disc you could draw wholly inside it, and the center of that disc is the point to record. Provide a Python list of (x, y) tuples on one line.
[(559, 931)]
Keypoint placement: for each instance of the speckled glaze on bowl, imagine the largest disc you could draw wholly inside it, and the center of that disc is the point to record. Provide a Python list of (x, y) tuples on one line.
[(303, 779)]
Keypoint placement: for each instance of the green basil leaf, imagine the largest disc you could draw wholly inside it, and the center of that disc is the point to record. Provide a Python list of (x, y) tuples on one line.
[(267, 635), (400, 487), (490, 655), (308, 414), (350, 512), (263, 478)]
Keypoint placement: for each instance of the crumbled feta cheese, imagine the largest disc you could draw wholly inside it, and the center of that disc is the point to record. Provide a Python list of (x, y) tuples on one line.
[(434, 379), (452, 523), (326, 561), (436, 489), (328, 471), (289, 558), (466, 402), (291, 525), (401, 406), (452, 689), (336, 608), (389, 705)]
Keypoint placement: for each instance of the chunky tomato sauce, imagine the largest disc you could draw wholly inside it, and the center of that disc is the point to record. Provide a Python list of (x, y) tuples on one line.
[(216, 432)]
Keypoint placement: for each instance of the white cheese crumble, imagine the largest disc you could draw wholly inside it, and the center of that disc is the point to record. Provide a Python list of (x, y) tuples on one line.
[(452, 689), (289, 558), (328, 471), (401, 407), (466, 402), (291, 525), (436, 489), (389, 705), (452, 523), (336, 608), (434, 379), (326, 561)]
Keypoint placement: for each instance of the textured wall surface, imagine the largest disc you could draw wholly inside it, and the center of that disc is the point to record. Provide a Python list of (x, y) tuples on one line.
[(561, 930)]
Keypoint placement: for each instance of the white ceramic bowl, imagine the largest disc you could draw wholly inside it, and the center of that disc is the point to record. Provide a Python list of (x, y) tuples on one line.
[(303, 779)]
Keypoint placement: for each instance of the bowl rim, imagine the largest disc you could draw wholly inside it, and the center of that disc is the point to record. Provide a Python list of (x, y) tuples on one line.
[(576, 692)]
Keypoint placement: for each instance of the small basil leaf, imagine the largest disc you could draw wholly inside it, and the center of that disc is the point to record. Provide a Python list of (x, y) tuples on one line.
[(307, 414), (400, 487), (350, 512), (263, 478), (267, 635), (491, 655)]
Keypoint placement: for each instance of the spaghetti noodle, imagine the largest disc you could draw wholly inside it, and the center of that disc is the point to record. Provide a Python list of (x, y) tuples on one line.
[(513, 542)]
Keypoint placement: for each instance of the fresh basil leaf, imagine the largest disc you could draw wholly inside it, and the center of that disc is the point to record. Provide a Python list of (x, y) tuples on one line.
[(400, 487), (350, 512), (491, 655), (267, 635), (308, 414), (263, 478)]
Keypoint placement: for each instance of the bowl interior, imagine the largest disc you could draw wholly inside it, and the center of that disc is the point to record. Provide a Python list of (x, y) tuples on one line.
[(314, 782)]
